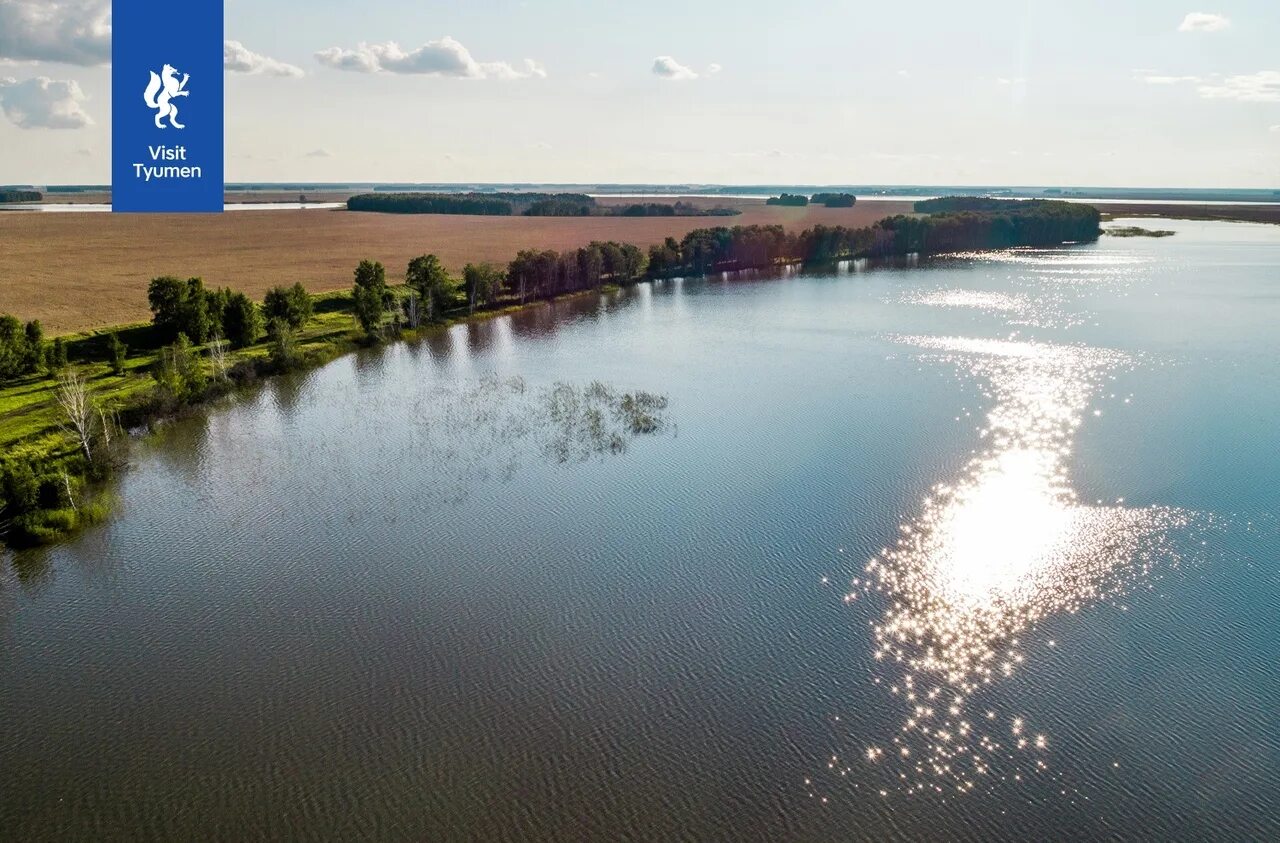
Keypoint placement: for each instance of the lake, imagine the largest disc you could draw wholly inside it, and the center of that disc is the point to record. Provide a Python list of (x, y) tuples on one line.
[(983, 547)]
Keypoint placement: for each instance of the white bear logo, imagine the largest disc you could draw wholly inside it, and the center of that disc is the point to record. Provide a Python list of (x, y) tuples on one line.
[(160, 93)]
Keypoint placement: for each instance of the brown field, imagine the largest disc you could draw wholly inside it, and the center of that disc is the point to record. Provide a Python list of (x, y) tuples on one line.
[(76, 271), (1228, 213)]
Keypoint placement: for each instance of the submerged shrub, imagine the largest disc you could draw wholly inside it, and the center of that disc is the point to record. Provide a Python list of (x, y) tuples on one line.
[(45, 526)]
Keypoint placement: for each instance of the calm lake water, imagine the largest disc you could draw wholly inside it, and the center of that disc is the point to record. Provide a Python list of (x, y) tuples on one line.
[(981, 548)]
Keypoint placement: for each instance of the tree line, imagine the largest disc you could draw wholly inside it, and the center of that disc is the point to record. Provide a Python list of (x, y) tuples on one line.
[(834, 200), (431, 203), (524, 204), (799, 200), (723, 249), (662, 209), (200, 314), (14, 195)]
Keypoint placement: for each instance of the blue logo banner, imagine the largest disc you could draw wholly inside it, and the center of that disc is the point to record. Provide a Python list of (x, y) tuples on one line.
[(166, 105)]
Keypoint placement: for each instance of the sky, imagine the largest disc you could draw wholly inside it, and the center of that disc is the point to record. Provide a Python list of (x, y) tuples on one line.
[(1143, 93)]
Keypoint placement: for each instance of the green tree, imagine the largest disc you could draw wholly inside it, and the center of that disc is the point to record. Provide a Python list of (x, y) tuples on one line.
[(283, 349), (591, 264), (13, 347), (116, 353), (35, 345), (292, 304), (179, 372), (241, 320), (181, 307), (21, 347), (482, 283), (21, 486), (369, 296), (58, 354), (215, 305), (427, 276)]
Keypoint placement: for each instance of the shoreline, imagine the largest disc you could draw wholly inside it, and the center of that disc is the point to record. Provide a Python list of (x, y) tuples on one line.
[(58, 461), (43, 265)]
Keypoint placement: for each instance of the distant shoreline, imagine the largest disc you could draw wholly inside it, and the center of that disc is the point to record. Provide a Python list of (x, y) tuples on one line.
[(902, 192), (1253, 211)]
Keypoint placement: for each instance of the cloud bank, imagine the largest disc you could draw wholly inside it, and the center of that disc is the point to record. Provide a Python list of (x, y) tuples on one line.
[(238, 58), (442, 57), (44, 103), (67, 31), (1263, 86)]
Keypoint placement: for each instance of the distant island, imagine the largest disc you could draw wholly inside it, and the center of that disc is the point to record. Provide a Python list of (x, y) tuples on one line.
[(800, 200), (1137, 231), (7, 195), (522, 204), (788, 200), (834, 200)]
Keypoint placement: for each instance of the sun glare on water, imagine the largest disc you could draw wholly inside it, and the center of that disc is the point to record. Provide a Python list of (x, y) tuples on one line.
[(1004, 545)]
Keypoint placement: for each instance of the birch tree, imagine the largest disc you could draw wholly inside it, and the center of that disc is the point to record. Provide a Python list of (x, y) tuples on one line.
[(76, 401), (218, 357)]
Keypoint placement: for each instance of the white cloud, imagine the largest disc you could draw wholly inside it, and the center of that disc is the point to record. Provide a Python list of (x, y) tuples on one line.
[(669, 68), (68, 31), (238, 58), (1203, 22), (1263, 86), (359, 60), (320, 153), (443, 57), (714, 68), (44, 103), (1169, 80), (1275, 128)]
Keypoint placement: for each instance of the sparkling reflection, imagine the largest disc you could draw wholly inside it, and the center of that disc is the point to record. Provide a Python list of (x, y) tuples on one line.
[(1043, 310), (1005, 545)]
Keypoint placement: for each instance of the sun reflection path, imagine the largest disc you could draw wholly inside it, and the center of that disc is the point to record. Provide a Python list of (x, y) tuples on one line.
[(991, 554), (1044, 309)]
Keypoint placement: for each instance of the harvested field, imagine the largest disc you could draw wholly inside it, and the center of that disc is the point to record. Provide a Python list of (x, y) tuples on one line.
[(77, 271), (1228, 213)]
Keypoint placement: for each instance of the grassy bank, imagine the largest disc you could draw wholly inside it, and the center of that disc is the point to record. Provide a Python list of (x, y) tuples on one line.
[(48, 486)]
